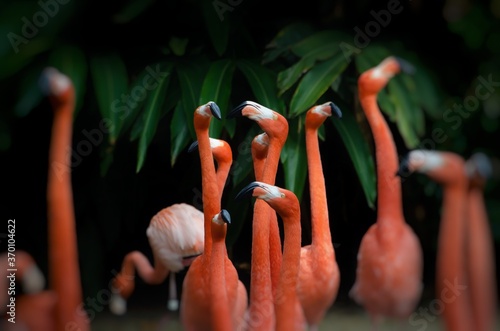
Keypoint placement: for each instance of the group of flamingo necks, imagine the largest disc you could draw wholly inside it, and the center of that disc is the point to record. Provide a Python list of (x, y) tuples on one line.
[(292, 287)]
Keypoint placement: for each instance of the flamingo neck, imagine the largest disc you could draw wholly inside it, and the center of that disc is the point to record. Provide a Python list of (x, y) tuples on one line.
[(222, 174), (389, 200), (64, 272), (450, 261), (272, 161), (286, 295), (219, 303), (319, 208), (211, 201)]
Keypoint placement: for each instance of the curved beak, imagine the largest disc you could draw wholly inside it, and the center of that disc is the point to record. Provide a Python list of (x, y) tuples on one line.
[(214, 108), (237, 112), (247, 190), (226, 217), (193, 146), (405, 66), (335, 110)]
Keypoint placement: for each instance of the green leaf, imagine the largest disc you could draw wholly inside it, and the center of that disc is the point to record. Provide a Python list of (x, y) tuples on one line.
[(217, 87), (179, 133), (286, 37), (315, 83), (217, 24), (294, 158), (263, 84), (131, 10), (190, 80), (110, 82), (428, 92), (358, 150), (326, 42), (291, 75), (71, 61), (153, 110), (178, 45), (405, 111)]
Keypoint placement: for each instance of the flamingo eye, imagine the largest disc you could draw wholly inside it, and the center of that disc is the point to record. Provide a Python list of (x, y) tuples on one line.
[(282, 194)]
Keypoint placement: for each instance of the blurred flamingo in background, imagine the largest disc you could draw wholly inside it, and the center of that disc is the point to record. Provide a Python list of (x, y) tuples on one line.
[(289, 314), (390, 264), (319, 276), (480, 247), (448, 169)]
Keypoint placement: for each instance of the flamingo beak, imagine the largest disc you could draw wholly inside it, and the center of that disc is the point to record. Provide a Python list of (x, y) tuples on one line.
[(405, 66), (238, 111), (404, 168), (226, 217), (215, 110), (193, 146), (335, 110), (247, 190)]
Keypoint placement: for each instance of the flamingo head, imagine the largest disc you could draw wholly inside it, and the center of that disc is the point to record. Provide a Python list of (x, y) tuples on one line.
[(219, 222), (221, 150), (204, 113), (375, 79), (478, 168), (270, 121), (260, 145), (318, 114), (285, 202), (442, 167), (57, 86)]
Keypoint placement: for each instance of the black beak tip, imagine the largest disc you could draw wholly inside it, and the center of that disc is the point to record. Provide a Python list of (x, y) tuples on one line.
[(405, 66), (335, 110), (236, 112), (193, 146), (404, 169), (214, 108), (226, 217), (247, 190)]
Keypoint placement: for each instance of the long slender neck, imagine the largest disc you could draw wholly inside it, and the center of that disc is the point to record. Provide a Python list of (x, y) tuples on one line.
[(319, 208), (286, 295), (211, 201), (222, 174), (388, 184), (450, 269), (63, 252), (481, 261), (219, 304)]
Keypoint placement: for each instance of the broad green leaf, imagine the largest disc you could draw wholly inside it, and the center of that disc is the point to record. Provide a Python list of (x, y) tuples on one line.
[(370, 57), (263, 84), (386, 105), (131, 10), (315, 83), (190, 80), (217, 22), (243, 165), (71, 61), (358, 150), (428, 92), (289, 76), (153, 110), (179, 133), (319, 42), (110, 79), (405, 109), (217, 87), (294, 159), (286, 37)]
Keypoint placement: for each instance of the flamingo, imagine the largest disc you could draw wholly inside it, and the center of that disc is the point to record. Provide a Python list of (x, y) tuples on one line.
[(319, 276), (289, 315), (390, 264), (196, 308), (175, 235), (64, 273), (448, 169), (480, 249), (266, 242)]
